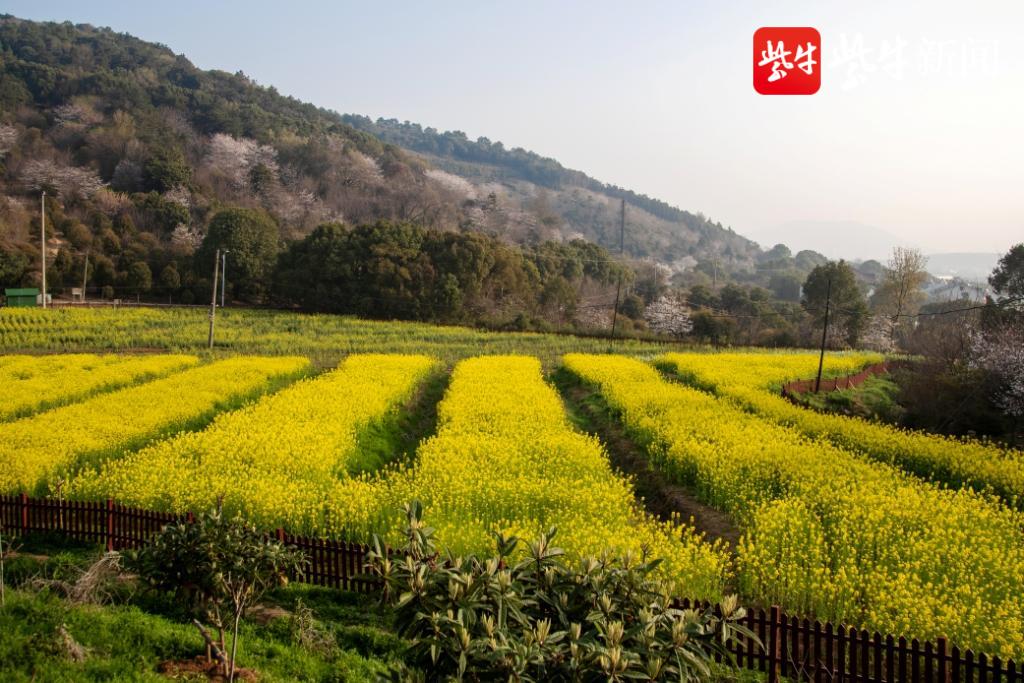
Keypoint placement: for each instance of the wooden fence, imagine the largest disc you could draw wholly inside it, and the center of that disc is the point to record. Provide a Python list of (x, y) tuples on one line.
[(803, 386), (791, 648), (337, 564)]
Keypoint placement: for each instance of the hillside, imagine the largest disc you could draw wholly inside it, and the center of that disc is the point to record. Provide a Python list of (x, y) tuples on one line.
[(86, 110), (567, 202)]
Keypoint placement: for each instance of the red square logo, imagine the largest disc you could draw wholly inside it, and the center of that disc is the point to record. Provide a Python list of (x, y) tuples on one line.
[(787, 60)]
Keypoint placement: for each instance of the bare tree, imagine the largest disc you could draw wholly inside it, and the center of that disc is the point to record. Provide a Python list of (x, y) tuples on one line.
[(900, 293)]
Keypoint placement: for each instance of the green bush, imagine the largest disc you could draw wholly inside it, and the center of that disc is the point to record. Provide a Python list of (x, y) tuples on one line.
[(218, 567), (533, 617)]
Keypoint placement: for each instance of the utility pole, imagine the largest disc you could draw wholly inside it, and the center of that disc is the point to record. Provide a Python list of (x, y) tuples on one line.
[(824, 336), (213, 297), (223, 274), (85, 274), (42, 241), (622, 250)]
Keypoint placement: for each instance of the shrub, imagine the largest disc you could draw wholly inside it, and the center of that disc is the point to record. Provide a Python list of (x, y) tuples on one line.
[(218, 567), (529, 616)]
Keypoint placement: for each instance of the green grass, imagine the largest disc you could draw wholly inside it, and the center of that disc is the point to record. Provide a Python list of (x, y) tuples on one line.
[(129, 638), (396, 436), (323, 338), (876, 399)]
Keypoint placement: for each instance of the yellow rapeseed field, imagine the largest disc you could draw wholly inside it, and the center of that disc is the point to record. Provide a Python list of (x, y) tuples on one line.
[(37, 450), (767, 370), (825, 531), (274, 460), (505, 458), (34, 383), (745, 379)]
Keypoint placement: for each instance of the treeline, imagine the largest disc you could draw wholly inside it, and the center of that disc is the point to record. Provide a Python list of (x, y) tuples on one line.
[(390, 270), (405, 271)]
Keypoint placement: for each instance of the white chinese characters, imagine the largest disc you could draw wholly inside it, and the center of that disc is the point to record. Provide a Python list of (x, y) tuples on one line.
[(777, 55)]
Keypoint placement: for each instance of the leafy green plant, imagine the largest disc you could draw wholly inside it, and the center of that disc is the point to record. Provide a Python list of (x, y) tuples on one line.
[(218, 567), (533, 616)]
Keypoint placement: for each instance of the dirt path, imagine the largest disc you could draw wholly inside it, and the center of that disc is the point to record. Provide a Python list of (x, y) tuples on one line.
[(660, 497)]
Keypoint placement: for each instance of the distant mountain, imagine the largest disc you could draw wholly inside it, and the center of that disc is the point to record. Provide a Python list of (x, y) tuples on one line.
[(849, 240), (967, 266)]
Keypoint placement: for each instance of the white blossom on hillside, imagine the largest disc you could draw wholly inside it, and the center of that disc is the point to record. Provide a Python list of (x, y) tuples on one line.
[(67, 181), (1001, 353), (235, 158), (668, 315), (8, 138)]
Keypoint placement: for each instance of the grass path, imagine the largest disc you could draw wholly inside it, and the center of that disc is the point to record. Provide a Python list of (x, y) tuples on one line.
[(661, 498)]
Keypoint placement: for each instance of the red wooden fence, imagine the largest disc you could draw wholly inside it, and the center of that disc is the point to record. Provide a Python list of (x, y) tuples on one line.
[(793, 648), (803, 386)]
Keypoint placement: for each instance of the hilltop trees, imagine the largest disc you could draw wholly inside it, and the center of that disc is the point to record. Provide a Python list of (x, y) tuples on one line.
[(251, 236), (836, 282), (1008, 277)]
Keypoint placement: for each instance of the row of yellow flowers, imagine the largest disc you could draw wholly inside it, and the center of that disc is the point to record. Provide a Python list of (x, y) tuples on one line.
[(274, 460), (38, 451), (825, 531), (34, 383), (745, 378), (763, 370), (505, 458)]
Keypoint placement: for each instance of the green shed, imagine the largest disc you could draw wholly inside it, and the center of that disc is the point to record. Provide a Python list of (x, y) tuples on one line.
[(21, 298)]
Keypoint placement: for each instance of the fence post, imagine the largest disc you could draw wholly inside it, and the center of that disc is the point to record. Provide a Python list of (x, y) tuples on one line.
[(943, 667), (774, 646), (279, 534), (24, 513), (110, 524)]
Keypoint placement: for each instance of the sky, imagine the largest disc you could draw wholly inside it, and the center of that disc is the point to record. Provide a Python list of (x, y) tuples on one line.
[(916, 135)]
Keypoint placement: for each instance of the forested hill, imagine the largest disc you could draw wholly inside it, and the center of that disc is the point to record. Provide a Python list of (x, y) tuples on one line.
[(144, 98), (655, 229)]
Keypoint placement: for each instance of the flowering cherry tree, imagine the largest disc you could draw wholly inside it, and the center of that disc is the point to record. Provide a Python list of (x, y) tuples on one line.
[(67, 181), (668, 315), (1001, 353), (8, 138)]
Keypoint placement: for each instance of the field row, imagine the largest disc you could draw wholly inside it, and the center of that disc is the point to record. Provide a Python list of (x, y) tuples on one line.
[(34, 383), (746, 379), (41, 451), (276, 460), (825, 531), (324, 338)]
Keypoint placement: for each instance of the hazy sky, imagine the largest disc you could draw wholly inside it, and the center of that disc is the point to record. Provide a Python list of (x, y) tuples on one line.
[(918, 128)]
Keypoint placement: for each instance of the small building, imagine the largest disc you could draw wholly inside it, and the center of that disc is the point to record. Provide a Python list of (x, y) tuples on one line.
[(22, 298)]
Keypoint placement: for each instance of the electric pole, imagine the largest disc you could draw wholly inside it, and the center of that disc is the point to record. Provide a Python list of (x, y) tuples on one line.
[(824, 335), (213, 297), (85, 274), (42, 240), (223, 274), (622, 249)]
